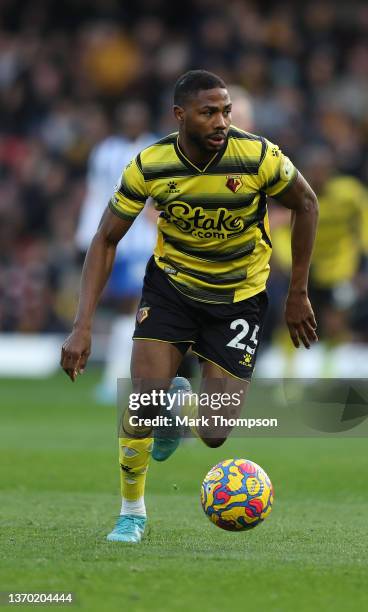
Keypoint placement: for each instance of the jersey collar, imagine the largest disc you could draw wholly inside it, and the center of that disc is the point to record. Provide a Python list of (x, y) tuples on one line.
[(186, 161)]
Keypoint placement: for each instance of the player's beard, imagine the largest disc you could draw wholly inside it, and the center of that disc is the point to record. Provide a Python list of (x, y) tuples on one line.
[(201, 142)]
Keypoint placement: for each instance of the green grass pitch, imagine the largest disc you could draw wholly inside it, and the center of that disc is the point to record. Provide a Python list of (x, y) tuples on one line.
[(60, 495)]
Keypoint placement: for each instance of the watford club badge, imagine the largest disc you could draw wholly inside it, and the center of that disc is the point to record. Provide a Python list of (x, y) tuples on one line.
[(142, 314), (234, 183)]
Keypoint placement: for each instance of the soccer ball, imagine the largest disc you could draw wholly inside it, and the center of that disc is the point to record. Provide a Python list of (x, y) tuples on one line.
[(237, 494)]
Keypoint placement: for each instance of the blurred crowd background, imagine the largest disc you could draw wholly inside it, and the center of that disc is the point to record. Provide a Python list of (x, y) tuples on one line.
[(85, 84)]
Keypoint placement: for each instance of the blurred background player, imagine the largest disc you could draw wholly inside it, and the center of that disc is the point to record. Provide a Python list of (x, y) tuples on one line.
[(242, 114), (341, 244), (123, 290), (338, 261)]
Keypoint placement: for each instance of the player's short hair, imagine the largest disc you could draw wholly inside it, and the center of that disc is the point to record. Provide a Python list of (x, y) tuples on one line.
[(192, 82)]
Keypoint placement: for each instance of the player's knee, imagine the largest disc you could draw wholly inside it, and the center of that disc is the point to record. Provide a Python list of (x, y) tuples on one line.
[(214, 442)]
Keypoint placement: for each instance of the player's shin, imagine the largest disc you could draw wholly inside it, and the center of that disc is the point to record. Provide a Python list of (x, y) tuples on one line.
[(135, 446)]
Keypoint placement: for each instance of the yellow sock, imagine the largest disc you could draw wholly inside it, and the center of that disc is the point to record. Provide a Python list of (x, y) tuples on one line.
[(133, 457), (134, 453)]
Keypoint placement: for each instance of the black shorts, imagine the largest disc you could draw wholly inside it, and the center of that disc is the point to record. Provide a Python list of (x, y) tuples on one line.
[(225, 334)]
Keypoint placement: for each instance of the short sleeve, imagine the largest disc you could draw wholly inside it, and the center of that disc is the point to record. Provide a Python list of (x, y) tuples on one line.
[(276, 171), (131, 192)]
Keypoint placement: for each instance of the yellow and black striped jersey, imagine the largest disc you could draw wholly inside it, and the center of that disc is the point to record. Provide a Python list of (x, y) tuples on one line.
[(342, 231), (342, 234), (213, 231)]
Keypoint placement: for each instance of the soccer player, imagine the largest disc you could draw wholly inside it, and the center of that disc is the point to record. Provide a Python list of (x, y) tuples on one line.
[(205, 283)]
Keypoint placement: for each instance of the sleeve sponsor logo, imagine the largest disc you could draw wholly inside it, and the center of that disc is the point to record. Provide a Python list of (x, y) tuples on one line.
[(286, 169)]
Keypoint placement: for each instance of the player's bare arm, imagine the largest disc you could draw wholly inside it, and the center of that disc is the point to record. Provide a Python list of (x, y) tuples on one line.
[(302, 201), (96, 270)]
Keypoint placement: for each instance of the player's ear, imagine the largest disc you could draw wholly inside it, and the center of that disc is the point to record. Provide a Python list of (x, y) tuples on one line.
[(179, 113)]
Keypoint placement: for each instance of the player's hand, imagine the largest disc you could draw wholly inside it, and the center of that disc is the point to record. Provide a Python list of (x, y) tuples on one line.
[(75, 352), (300, 319)]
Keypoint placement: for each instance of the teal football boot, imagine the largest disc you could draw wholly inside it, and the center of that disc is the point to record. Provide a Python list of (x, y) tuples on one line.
[(166, 439), (129, 528)]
